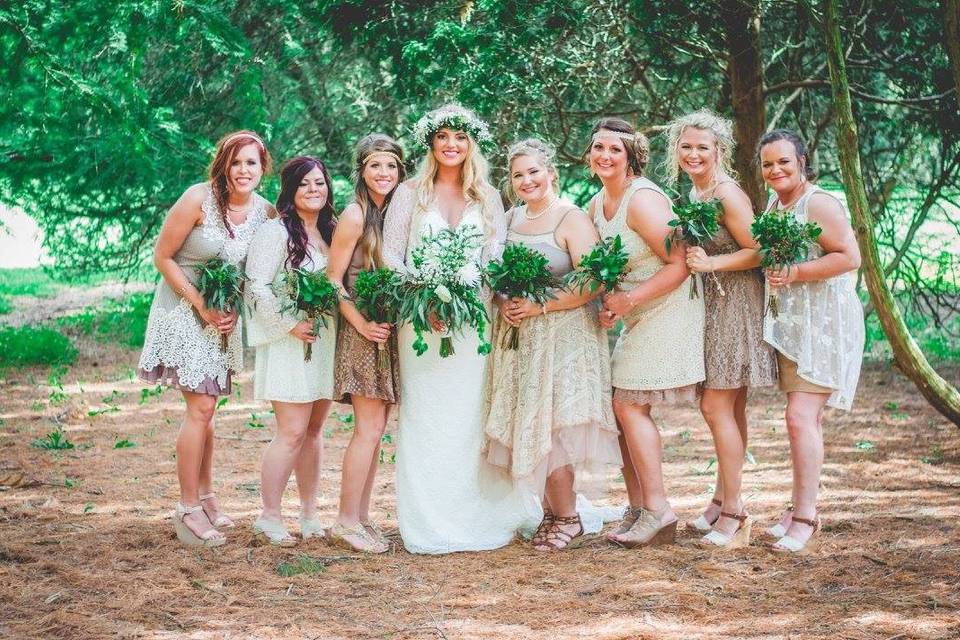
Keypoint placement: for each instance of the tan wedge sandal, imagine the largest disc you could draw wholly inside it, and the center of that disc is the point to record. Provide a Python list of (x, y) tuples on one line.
[(738, 539)]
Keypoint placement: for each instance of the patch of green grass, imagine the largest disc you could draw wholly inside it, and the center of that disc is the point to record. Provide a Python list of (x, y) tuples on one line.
[(27, 282), (6, 305), (255, 422), (22, 346), (55, 440), (124, 444), (304, 564), (121, 321), (936, 456)]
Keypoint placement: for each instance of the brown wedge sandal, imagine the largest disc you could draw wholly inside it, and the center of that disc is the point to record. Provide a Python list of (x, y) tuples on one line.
[(557, 539)]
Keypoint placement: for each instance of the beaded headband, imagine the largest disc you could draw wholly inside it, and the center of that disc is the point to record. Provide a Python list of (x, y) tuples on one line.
[(255, 137), (606, 133), (373, 154)]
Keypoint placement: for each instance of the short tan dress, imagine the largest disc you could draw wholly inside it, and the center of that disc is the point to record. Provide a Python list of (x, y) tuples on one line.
[(735, 353), (659, 355), (356, 370), (548, 402)]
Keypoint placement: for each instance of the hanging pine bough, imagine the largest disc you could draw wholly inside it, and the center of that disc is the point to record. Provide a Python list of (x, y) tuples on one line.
[(604, 266), (521, 273), (312, 293), (784, 242), (443, 284), (220, 283), (695, 224), (376, 293)]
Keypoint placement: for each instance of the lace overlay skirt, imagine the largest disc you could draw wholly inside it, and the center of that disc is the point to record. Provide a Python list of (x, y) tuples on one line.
[(548, 402), (357, 369)]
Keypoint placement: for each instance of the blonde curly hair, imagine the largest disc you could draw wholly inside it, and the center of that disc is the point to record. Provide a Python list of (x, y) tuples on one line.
[(705, 120), (533, 148)]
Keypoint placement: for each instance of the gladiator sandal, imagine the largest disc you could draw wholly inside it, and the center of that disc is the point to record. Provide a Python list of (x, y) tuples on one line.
[(557, 539)]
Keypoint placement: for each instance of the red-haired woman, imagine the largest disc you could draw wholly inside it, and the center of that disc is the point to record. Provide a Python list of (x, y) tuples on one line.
[(213, 219), (300, 391)]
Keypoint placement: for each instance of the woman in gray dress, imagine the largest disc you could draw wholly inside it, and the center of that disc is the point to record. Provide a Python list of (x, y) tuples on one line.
[(181, 348)]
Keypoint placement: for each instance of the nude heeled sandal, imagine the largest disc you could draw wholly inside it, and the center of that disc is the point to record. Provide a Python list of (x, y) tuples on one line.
[(209, 538), (222, 521), (778, 530), (786, 544), (273, 532), (739, 538), (701, 524), (649, 530)]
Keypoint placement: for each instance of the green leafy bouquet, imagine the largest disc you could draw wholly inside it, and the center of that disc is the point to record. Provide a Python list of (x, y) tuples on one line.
[(376, 293), (220, 283), (784, 241), (696, 223), (520, 273), (604, 266), (312, 293), (443, 283)]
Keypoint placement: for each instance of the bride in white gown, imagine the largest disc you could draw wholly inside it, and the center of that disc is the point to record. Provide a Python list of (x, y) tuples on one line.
[(448, 498)]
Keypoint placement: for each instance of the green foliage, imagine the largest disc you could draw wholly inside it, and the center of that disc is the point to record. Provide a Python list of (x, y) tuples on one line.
[(146, 393), (695, 223), (55, 440), (604, 266), (303, 565), (27, 282), (122, 322), (784, 241), (255, 422), (23, 346), (521, 273), (376, 293), (311, 293), (124, 443)]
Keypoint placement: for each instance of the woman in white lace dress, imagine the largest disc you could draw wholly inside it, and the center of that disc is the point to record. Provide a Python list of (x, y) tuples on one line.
[(659, 356), (447, 498), (181, 348), (300, 390), (549, 420), (818, 333)]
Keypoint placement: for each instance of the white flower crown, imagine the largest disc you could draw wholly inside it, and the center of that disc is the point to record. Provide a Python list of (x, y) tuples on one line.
[(451, 116)]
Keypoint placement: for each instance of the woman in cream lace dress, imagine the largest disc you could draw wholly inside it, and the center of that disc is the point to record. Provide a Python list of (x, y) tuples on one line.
[(448, 498), (659, 356), (818, 333), (550, 420), (300, 391), (181, 348)]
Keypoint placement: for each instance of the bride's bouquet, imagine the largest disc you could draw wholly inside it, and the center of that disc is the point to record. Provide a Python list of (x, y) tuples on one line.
[(604, 266), (784, 242), (521, 273), (695, 224), (220, 283), (312, 293), (376, 295), (443, 284)]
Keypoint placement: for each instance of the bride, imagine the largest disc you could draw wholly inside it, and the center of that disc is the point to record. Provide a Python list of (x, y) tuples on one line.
[(447, 499)]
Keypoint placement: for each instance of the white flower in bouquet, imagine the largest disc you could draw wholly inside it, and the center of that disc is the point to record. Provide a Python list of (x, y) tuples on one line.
[(443, 293), (469, 275)]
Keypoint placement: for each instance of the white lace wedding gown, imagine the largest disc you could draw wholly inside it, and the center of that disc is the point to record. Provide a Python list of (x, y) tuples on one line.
[(448, 498)]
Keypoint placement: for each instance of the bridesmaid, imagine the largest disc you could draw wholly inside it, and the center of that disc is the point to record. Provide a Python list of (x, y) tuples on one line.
[(357, 244), (181, 348), (736, 357), (299, 391), (548, 409), (647, 368), (819, 332)]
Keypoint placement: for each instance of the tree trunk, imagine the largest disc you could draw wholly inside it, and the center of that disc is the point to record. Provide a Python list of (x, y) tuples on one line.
[(951, 31), (741, 23), (907, 354)]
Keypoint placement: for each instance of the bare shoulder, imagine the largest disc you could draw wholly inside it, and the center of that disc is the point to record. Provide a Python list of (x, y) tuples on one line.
[(826, 207), (646, 198), (272, 212), (352, 215), (576, 220), (732, 193)]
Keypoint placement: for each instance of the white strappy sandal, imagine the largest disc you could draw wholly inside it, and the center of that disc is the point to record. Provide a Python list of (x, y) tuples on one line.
[(736, 540), (703, 525), (787, 544), (222, 521), (209, 538), (274, 532), (778, 530)]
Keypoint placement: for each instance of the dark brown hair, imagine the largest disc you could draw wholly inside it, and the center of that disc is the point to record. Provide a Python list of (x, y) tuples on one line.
[(638, 149), (290, 176), (803, 156), (227, 148)]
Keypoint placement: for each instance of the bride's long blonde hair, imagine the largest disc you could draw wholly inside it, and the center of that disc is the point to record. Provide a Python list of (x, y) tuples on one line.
[(474, 173)]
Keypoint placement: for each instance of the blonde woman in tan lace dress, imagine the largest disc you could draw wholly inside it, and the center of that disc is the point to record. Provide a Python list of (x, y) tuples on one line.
[(358, 379), (736, 357), (548, 414), (659, 356)]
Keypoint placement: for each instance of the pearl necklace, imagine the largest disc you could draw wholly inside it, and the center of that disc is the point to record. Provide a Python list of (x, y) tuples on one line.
[(526, 211)]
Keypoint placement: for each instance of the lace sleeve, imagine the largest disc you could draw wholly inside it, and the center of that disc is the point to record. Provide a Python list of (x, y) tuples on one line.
[(264, 260), (396, 228)]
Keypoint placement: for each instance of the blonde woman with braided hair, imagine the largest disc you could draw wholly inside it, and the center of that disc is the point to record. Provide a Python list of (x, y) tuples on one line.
[(700, 144), (448, 499), (371, 389), (659, 356), (549, 419)]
